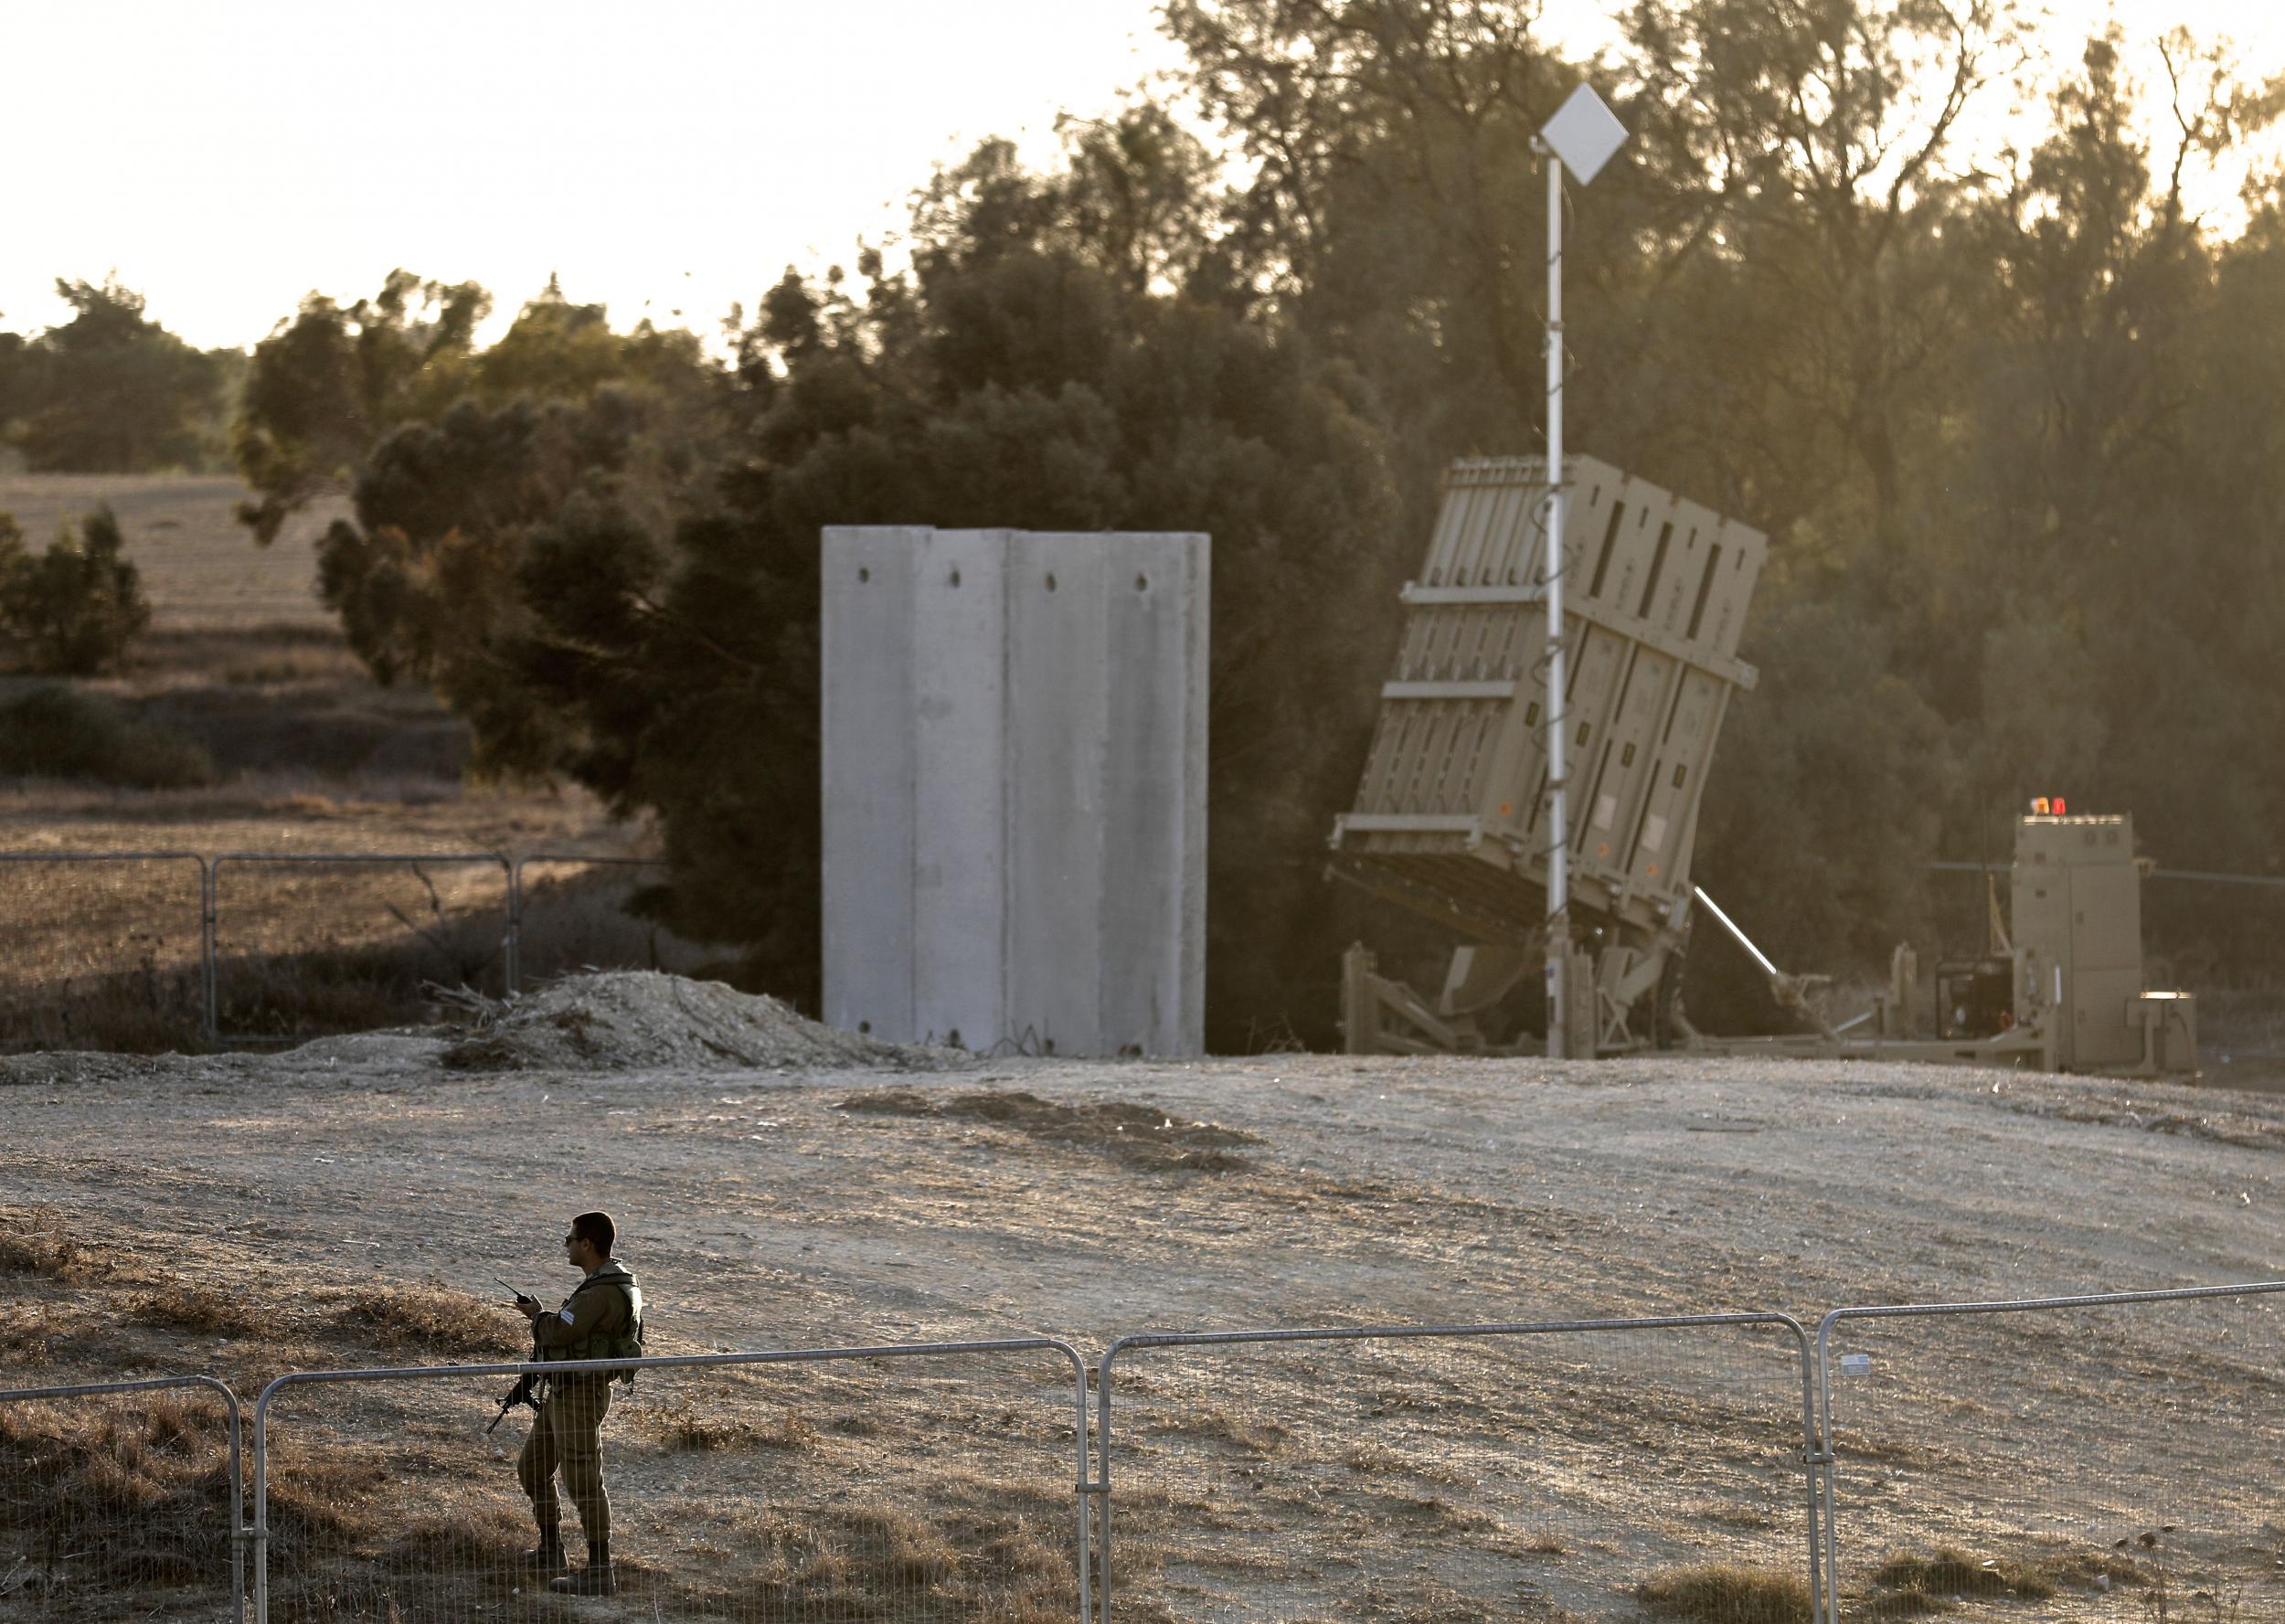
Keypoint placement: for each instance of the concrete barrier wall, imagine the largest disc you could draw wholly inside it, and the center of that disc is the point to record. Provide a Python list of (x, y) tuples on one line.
[(1015, 787)]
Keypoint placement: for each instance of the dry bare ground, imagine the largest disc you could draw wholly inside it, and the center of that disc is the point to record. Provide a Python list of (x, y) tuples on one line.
[(353, 1201)]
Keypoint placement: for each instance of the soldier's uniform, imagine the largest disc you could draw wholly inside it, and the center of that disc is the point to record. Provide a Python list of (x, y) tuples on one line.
[(598, 1320)]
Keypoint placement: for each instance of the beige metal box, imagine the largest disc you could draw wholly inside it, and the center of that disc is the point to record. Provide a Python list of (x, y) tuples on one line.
[(2078, 923)]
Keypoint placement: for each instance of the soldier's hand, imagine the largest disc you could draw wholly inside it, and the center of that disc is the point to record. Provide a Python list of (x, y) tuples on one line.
[(529, 1307)]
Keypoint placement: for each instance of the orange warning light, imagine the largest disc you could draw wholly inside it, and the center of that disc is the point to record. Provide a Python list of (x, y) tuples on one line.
[(2039, 806)]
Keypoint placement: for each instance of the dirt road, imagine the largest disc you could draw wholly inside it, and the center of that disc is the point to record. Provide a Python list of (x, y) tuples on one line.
[(1407, 1189)]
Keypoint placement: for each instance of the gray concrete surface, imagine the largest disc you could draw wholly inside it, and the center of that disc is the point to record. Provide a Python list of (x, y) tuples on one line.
[(1015, 787)]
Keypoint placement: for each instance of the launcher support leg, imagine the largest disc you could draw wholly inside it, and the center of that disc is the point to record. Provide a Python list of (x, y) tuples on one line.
[(1379, 1016)]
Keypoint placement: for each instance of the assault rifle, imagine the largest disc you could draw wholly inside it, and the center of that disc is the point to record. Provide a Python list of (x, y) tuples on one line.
[(526, 1389)]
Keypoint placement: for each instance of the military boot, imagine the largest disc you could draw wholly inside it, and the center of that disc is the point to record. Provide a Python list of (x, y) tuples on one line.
[(595, 1579), (548, 1555)]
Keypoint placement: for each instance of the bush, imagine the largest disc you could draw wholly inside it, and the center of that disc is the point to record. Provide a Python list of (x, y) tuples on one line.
[(1727, 1593), (74, 609), (60, 732)]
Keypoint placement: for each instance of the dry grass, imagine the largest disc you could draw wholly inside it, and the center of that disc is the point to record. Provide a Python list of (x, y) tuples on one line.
[(1906, 1584), (325, 1497), (1949, 1572), (1727, 1593), (1428, 1602), (203, 1307), (465, 1536), (1255, 1435), (143, 1012), (1140, 1135), (875, 1561), (126, 1495), (686, 1425), (27, 1248), (300, 987), (1728, 1513), (432, 1319)]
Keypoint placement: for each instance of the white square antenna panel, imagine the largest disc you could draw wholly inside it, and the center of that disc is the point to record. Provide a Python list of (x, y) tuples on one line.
[(1583, 134)]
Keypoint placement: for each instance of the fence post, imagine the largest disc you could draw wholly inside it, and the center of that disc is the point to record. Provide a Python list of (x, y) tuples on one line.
[(259, 1535), (514, 949), (237, 1517), (211, 1015), (1826, 1602), (1085, 1490), (1100, 1490)]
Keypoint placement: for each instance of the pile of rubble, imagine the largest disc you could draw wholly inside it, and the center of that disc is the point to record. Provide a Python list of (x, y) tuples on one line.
[(644, 1020)]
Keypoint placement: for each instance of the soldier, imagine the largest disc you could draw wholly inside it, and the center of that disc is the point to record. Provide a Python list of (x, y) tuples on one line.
[(602, 1319)]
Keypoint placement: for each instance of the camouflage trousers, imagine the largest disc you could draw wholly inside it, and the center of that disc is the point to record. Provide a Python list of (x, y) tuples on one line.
[(567, 1436)]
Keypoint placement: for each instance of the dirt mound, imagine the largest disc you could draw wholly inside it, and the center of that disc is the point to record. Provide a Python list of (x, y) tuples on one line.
[(1141, 1134), (642, 1020)]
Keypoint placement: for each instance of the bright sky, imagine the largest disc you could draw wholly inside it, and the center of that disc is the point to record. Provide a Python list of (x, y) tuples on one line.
[(228, 157)]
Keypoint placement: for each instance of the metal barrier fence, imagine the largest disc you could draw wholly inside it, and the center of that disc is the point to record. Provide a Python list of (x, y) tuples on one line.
[(2095, 1457), (915, 1481), (1451, 1472), (126, 929), (142, 934), (438, 913), (130, 1511), (2123, 1452)]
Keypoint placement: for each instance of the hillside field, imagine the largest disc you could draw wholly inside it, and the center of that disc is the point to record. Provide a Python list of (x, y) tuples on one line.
[(357, 1201)]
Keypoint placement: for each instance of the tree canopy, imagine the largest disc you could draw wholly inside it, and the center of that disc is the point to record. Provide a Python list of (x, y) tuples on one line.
[(110, 391)]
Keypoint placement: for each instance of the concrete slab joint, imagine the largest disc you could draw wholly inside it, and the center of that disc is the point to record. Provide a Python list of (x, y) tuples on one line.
[(1015, 787)]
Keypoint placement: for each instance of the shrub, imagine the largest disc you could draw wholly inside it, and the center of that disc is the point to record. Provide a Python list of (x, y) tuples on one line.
[(74, 609), (1727, 1593), (61, 732)]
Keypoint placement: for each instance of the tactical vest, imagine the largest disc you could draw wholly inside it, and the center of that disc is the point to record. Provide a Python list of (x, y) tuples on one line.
[(622, 1342)]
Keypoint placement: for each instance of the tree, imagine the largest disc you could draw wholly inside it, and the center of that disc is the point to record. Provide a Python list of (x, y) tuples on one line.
[(1391, 144), (74, 609), (14, 384), (1818, 141), (426, 580), (327, 386), (110, 391)]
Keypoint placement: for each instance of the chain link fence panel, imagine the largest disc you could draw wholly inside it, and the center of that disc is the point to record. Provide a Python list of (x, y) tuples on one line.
[(576, 913), (107, 951), (923, 1484), (120, 1501), (1557, 1470), (306, 946), (2108, 1458)]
